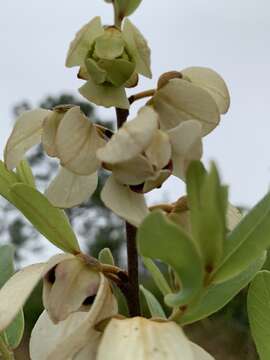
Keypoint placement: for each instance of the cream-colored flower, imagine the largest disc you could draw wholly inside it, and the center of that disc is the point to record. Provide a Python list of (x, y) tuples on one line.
[(110, 59), (141, 157), (194, 93), (142, 339), (67, 134)]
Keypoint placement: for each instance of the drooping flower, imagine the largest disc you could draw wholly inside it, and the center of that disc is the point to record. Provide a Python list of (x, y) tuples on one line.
[(76, 297), (110, 59)]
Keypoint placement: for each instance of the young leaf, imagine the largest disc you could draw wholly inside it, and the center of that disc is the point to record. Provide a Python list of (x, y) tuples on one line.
[(217, 296), (6, 263), (207, 201), (15, 331), (158, 238), (154, 306), (246, 242), (258, 304), (157, 276), (105, 257), (48, 220), (7, 179), (24, 173)]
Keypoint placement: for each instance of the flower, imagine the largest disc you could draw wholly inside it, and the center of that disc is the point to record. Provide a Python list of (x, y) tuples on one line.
[(76, 297), (139, 338), (110, 59)]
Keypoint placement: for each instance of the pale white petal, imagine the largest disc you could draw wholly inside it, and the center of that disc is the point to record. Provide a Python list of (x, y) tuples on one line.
[(199, 353), (18, 288), (180, 100), (159, 151), (131, 139), (83, 41), (212, 82), (186, 144), (77, 141), (105, 95), (133, 172), (233, 217), (124, 202), (138, 48), (68, 189), (143, 339), (47, 336), (26, 133), (76, 336)]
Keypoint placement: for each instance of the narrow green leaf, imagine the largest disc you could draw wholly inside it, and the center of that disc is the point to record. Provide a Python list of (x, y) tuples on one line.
[(105, 257), (217, 296), (258, 304), (48, 220), (13, 334), (207, 200), (154, 306), (24, 173), (7, 179), (157, 276), (158, 238), (246, 242)]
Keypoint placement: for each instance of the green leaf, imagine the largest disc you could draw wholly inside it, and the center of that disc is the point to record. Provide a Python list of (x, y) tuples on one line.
[(258, 304), (207, 201), (105, 257), (246, 242), (158, 238), (24, 173), (217, 296), (154, 306), (7, 179), (126, 7), (13, 334), (157, 276), (48, 220)]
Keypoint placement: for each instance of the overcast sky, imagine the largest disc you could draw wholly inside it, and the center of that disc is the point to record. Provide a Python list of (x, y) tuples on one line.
[(230, 36)]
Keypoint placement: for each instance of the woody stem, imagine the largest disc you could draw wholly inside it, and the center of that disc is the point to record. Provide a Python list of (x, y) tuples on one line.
[(132, 253)]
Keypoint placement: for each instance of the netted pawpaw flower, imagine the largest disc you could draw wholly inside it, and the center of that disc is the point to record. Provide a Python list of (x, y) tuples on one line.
[(76, 297), (68, 135), (142, 339), (110, 59), (194, 93), (141, 157)]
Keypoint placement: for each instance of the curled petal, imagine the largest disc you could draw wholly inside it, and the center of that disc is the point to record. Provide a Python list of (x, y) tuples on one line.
[(69, 287), (76, 331), (159, 151), (180, 100), (18, 288), (68, 189), (26, 133), (131, 139), (105, 95), (212, 82), (186, 144), (138, 48), (83, 41), (124, 202), (142, 339), (77, 141)]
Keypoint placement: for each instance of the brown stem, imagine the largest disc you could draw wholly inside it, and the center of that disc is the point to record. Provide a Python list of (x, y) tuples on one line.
[(141, 95), (132, 291)]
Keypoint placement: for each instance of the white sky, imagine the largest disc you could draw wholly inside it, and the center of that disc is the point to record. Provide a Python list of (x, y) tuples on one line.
[(231, 36)]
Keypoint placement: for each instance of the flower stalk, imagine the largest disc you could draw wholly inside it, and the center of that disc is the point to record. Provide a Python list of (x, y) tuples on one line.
[(132, 293)]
